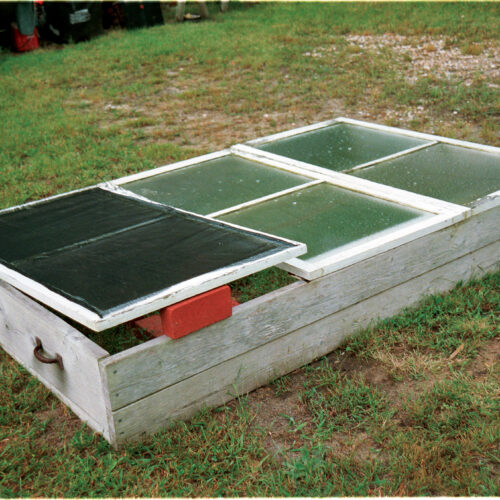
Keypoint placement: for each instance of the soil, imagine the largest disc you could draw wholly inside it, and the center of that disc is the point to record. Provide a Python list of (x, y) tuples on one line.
[(484, 362), (61, 426), (278, 412)]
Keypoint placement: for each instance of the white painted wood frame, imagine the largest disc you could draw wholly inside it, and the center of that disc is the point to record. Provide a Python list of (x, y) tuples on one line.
[(153, 302), (445, 214), (363, 248), (382, 128), (421, 135), (432, 141), (355, 252), (339, 179), (160, 299), (248, 151), (172, 166)]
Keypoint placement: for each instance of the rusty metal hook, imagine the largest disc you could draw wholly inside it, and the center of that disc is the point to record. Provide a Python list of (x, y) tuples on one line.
[(43, 359)]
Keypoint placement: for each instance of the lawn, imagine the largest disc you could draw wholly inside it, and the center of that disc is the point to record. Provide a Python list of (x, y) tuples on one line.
[(407, 407)]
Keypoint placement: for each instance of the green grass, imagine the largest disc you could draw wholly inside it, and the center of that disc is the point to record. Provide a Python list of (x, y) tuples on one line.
[(442, 323), (117, 339), (408, 407), (338, 403), (257, 284)]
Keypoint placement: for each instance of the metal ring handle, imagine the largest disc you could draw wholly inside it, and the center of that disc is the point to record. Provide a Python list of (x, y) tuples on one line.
[(43, 359)]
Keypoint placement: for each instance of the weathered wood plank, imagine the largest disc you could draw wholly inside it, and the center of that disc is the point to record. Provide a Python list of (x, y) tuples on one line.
[(79, 384), (258, 366), (153, 366)]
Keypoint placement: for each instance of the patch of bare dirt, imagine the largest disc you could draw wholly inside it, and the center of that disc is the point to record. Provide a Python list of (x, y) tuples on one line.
[(434, 57), (279, 413), (380, 376), (486, 360), (279, 417), (62, 424), (193, 109), (282, 416), (208, 129)]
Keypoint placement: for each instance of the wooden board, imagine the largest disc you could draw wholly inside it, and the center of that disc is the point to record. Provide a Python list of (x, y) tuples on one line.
[(151, 367), (258, 366), (79, 384)]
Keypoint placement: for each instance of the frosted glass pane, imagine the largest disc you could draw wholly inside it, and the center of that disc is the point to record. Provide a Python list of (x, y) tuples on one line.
[(322, 216), (450, 173), (341, 147), (215, 184)]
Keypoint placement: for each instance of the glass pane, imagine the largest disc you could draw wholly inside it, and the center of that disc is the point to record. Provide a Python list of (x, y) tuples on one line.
[(142, 249), (215, 184), (450, 173), (341, 147), (322, 216)]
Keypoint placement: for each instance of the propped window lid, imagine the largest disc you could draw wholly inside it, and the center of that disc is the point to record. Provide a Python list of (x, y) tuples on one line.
[(103, 258)]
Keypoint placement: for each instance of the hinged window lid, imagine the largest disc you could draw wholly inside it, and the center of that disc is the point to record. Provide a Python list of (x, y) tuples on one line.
[(103, 258)]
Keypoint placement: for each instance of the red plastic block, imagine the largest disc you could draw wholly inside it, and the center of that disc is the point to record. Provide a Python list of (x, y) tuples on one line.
[(151, 324), (191, 314)]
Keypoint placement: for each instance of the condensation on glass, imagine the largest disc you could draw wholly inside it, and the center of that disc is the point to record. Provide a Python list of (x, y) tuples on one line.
[(324, 217), (341, 146), (215, 184), (450, 173)]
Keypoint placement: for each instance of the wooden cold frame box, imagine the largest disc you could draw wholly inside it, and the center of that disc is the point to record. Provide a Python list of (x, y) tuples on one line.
[(143, 389)]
